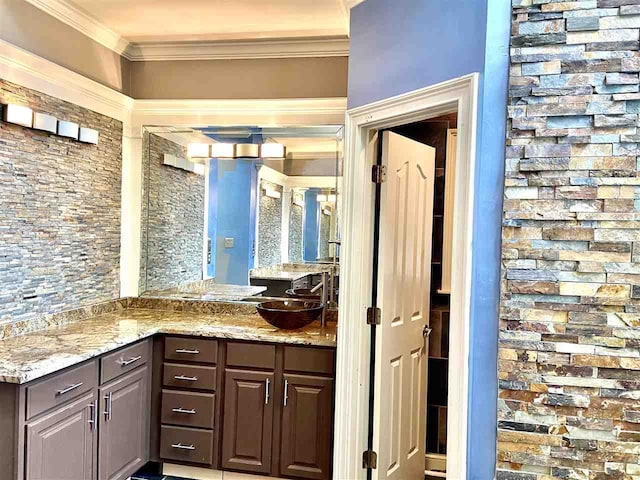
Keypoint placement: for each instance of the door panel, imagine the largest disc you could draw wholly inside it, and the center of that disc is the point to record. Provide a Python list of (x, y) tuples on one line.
[(61, 445), (306, 427), (248, 421), (404, 278), (124, 426)]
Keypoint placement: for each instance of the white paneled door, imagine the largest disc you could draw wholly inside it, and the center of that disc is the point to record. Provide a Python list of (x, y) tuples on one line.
[(404, 280)]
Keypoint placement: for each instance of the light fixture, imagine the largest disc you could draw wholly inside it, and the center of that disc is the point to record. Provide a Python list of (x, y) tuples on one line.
[(298, 200), (247, 150), (47, 123), (89, 135), (321, 197), (198, 150), (223, 150), (272, 150), (68, 129), (272, 192), (18, 115), (331, 198)]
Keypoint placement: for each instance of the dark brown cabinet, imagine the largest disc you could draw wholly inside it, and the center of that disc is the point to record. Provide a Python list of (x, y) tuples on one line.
[(62, 444), (305, 449), (124, 425), (248, 421)]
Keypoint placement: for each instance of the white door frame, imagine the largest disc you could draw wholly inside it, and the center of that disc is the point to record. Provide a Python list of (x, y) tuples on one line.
[(352, 383)]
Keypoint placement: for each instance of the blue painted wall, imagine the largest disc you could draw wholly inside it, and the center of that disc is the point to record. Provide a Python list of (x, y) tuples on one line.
[(402, 45), (235, 189), (310, 229), (212, 214)]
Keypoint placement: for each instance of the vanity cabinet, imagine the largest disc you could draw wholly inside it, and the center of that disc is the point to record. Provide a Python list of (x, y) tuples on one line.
[(275, 407), (124, 428), (87, 422), (62, 444)]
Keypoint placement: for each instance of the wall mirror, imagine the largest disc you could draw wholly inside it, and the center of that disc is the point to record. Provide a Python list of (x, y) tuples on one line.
[(241, 213)]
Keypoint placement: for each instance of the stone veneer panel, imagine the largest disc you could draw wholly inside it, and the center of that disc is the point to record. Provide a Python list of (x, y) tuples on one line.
[(296, 227), (172, 218), (59, 213), (569, 358), (269, 226)]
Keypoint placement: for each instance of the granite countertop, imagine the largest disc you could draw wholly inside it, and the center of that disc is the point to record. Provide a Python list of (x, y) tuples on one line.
[(34, 355), (289, 271), (214, 292)]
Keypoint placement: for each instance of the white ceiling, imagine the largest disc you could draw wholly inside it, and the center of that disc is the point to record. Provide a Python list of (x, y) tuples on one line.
[(213, 20)]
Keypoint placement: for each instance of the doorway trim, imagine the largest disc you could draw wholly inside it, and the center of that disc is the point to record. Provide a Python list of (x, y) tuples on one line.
[(352, 384)]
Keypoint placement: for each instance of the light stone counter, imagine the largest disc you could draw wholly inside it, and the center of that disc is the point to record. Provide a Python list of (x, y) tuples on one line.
[(211, 292), (34, 355)]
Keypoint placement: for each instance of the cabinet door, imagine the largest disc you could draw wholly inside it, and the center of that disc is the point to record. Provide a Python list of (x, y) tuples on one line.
[(124, 437), (62, 444), (306, 427), (248, 421)]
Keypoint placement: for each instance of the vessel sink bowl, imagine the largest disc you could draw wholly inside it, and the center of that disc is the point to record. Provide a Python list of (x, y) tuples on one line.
[(290, 314), (303, 293)]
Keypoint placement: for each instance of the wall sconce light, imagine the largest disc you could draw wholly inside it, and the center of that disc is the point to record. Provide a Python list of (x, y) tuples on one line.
[(18, 115), (198, 150), (272, 192), (47, 123), (272, 150), (89, 135), (331, 198), (223, 150), (321, 197), (68, 129), (247, 150)]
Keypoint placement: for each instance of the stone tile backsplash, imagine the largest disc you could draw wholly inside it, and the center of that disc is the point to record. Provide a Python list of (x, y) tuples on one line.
[(172, 218), (59, 212), (569, 358)]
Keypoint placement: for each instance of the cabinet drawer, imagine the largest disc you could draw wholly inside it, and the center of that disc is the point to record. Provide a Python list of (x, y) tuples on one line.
[(191, 349), (188, 409), (123, 361), (309, 360), (186, 444), (189, 376), (60, 388), (252, 355)]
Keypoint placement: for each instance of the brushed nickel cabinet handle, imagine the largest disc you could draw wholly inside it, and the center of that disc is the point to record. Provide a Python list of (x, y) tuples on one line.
[(69, 389), (286, 392), (93, 414), (266, 391), (190, 352), (108, 399), (184, 377), (180, 446), (191, 411), (124, 363)]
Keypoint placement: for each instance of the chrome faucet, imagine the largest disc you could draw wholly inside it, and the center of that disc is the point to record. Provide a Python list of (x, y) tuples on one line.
[(324, 285)]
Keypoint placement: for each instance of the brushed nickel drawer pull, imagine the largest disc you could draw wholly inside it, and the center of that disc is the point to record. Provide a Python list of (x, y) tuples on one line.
[(184, 377), (180, 446), (190, 352), (124, 363), (69, 389), (182, 410)]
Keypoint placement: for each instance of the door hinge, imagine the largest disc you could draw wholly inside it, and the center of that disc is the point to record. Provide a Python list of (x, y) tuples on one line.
[(378, 173), (373, 316), (369, 459)]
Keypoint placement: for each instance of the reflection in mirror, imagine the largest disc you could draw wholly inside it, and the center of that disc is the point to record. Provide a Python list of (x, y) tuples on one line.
[(240, 214)]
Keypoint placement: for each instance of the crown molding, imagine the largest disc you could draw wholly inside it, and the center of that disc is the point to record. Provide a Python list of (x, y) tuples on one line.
[(246, 49), (84, 23), (29, 70), (69, 14)]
